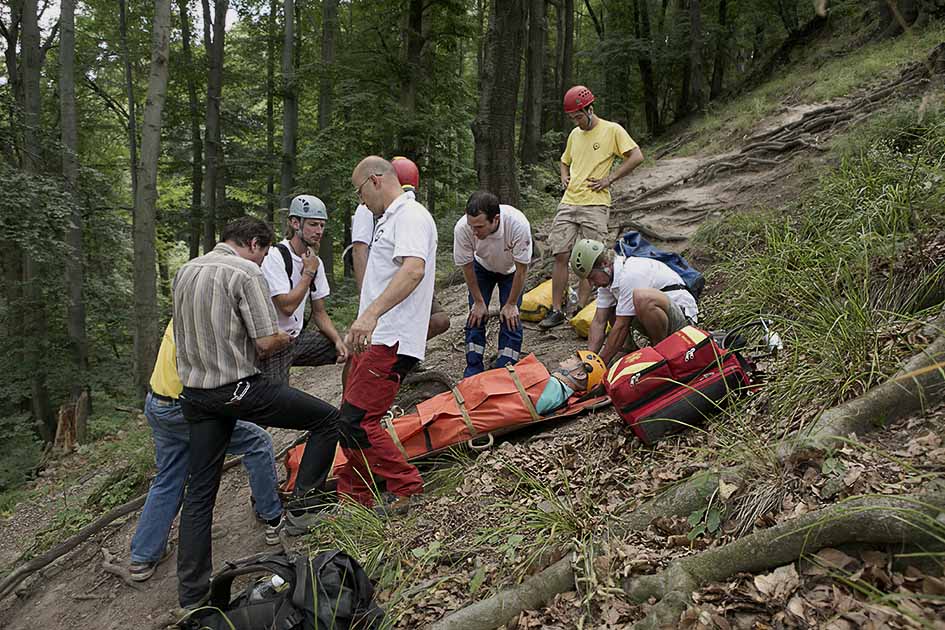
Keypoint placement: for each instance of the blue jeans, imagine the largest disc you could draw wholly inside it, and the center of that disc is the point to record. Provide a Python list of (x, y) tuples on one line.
[(510, 341), (172, 452)]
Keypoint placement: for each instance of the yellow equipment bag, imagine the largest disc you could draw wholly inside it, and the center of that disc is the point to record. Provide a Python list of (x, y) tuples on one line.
[(582, 321), (536, 303)]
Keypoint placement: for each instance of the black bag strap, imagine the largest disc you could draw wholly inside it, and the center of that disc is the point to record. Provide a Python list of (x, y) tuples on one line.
[(675, 287), (222, 582), (287, 259)]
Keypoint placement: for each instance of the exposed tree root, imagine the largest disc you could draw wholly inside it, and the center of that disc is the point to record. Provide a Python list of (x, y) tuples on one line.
[(913, 387), (873, 520)]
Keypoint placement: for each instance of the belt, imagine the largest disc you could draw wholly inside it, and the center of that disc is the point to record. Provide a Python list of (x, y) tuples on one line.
[(162, 398)]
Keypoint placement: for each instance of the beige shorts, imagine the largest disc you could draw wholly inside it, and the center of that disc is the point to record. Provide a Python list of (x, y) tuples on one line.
[(574, 222)]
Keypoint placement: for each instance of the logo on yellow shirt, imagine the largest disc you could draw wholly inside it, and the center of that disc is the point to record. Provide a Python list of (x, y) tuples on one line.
[(596, 146)]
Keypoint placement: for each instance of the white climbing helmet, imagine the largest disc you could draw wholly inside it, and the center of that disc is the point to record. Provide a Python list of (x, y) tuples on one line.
[(308, 207)]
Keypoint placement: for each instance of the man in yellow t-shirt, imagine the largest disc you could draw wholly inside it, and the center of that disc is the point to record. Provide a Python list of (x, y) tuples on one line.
[(586, 178)]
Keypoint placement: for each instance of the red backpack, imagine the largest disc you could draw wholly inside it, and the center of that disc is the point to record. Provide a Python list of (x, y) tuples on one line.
[(684, 379)]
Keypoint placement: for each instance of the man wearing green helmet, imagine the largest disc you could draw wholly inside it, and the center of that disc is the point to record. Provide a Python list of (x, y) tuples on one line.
[(293, 271), (631, 291)]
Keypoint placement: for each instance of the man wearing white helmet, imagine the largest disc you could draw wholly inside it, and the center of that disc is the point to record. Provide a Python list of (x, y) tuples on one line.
[(293, 271), (631, 291)]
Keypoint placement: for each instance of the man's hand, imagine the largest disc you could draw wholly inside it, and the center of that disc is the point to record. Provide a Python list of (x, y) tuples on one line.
[(565, 181), (342, 351), (309, 262), (478, 314), (599, 184), (509, 316), (359, 335)]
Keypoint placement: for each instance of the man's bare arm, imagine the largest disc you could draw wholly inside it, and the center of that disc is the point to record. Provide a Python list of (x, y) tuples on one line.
[(269, 345)]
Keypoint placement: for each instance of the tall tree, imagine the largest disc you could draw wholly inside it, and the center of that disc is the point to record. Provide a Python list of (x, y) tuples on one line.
[(534, 80), (130, 95), (214, 33), (325, 106), (410, 73), (196, 148), (144, 236), (270, 112), (564, 55), (721, 51), (494, 125), (697, 79), (74, 263), (644, 56), (290, 105), (35, 321)]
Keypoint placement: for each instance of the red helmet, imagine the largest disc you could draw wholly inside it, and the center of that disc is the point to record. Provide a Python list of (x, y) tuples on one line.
[(407, 172), (577, 98)]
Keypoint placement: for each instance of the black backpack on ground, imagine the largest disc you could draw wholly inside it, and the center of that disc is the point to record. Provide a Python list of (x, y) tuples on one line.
[(328, 592)]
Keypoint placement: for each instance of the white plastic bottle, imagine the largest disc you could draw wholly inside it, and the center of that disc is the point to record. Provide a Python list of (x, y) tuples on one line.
[(266, 588)]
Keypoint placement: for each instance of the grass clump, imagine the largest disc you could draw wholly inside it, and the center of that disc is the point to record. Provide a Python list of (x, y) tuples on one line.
[(841, 274)]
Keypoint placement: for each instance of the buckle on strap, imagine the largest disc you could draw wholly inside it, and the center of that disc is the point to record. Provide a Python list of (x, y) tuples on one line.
[(388, 423)]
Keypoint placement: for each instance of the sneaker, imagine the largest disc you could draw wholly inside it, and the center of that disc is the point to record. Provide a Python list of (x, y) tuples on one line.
[(273, 527), (142, 571), (395, 505), (552, 319)]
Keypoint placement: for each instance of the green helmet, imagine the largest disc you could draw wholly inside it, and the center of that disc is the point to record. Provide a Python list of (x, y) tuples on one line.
[(583, 256), (308, 207)]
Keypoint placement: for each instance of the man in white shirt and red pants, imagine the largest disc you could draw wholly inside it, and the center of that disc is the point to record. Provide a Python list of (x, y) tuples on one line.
[(388, 338)]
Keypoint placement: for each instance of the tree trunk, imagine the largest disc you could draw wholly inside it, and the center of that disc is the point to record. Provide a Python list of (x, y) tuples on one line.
[(196, 149), (787, 10), (145, 285), (697, 82), (214, 34), (74, 272), (130, 95), (325, 106), (413, 70), (11, 36), (682, 102), (645, 63), (721, 52), (35, 322), (565, 56), (534, 75), (290, 106), (494, 125), (270, 113)]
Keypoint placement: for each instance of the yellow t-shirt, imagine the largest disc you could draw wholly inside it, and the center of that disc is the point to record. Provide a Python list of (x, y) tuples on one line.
[(164, 378), (590, 154)]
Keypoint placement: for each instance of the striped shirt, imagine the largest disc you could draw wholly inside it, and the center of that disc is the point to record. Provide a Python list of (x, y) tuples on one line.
[(221, 304)]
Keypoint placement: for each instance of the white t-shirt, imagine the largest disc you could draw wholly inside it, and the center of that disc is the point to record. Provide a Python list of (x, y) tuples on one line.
[(405, 229), (637, 273), (362, 223), (273, 269), (499, 251)]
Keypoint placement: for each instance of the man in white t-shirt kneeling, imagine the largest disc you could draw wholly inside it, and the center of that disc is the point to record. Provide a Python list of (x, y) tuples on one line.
[(388, 338), (630, 291), (293, 271), (493, 245)]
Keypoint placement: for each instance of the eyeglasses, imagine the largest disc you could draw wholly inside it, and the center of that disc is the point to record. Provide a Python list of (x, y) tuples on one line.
[(358, 191)]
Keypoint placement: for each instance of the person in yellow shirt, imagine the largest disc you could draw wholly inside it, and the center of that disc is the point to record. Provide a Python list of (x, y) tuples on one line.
[(172, 452), (586, 177)]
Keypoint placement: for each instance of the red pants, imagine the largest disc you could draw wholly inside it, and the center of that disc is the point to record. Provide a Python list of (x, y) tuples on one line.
[(373, 381)]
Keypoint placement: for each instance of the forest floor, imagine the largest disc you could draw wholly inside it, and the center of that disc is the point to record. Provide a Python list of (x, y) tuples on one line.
[(579, 475)]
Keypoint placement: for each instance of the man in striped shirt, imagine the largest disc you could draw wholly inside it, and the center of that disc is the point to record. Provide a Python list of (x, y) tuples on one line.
[(223, 322)]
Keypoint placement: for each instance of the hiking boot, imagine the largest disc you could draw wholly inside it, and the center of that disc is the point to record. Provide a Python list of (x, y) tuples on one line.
[(552, 319), (395, 505), (299, 522), (142, 571), (273, 527)]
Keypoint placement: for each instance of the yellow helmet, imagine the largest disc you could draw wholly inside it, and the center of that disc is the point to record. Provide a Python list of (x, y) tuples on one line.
[(594, 366)]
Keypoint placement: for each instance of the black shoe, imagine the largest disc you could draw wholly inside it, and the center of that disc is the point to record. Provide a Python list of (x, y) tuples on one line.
[(552, 319)]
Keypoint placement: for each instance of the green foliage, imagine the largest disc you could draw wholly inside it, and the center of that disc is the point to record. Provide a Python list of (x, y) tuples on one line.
[(841, 276)]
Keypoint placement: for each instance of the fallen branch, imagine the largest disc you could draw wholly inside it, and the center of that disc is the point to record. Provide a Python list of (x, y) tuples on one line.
[(871, 519), (110, 566)]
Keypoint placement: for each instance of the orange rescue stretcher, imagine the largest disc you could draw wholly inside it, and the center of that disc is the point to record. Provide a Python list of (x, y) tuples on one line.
[(475, 412)]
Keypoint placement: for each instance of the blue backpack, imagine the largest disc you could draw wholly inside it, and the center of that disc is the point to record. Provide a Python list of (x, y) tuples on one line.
[(633, 244)]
